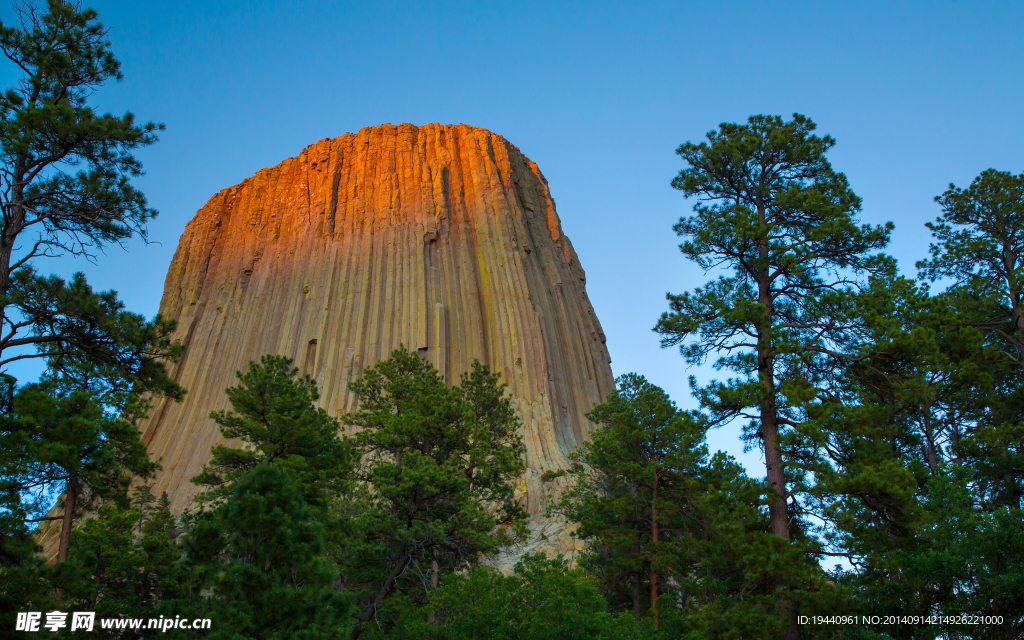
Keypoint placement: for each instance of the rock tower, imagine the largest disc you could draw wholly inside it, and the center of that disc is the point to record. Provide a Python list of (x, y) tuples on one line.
[(441, 238)]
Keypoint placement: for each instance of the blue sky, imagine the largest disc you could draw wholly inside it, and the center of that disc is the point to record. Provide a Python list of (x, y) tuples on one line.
[(917, 95)]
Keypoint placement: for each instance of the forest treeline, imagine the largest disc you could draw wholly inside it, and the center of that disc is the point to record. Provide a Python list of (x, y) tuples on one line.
[(889, 411)]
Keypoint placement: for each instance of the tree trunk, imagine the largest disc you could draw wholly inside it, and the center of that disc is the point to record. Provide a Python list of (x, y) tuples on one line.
[(769, 415), (778, 514), (654, 551), (1010, 259), (70, 496), (15, 215), (96, 582), (385, 591), (434, 575), (929, 437), (434, 571)]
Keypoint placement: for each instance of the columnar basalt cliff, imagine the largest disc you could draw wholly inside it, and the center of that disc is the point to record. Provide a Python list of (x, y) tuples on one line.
[(440, 238)]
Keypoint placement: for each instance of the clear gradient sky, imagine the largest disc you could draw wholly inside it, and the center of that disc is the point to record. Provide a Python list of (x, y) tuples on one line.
[(599, 94)]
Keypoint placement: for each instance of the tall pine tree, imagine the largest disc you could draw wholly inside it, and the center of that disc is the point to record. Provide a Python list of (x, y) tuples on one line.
[(65, 189), (773, 213), (980, 248)]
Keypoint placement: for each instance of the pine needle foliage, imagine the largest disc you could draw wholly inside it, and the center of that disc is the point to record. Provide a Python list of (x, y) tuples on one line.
[(65, 189), (439, 465), (275, 416)]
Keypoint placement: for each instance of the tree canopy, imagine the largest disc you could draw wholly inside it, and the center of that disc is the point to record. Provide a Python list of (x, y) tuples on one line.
[(439, 465), (274, 414), (65, 189)]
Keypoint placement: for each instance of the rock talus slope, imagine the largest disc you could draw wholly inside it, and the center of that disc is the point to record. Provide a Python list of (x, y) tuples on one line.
[(440, 238)]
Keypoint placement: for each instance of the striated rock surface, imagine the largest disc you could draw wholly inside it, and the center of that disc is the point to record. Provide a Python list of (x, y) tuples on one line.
[(440, 238)]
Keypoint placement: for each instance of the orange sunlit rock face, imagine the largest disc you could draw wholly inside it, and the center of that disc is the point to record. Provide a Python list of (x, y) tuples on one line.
[(442, 238)]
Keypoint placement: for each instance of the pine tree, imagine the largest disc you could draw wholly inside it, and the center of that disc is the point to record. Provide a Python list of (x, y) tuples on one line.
[(915, 445), (46, 128), (67, 443), (439, 466), (889, 445), (101, 360), (980, 247), (273, 513), (662, 518), (124, 562), (262, 557), (630, 480), (274, 414), (771, 210)]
